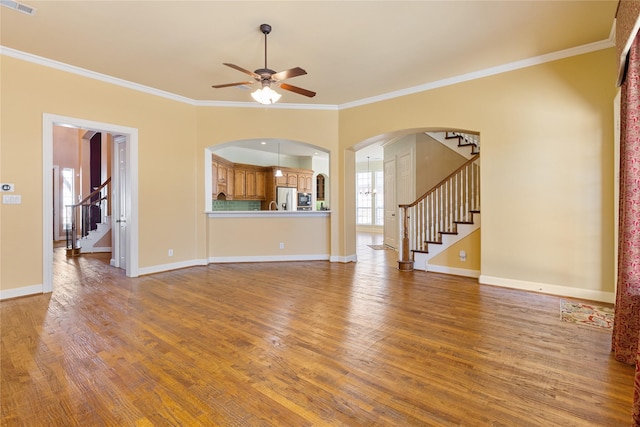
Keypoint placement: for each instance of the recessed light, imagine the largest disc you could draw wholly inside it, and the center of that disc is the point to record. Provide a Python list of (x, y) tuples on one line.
[(263, 143)]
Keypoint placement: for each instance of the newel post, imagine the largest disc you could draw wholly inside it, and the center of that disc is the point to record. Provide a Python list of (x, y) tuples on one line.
[(405, 263)]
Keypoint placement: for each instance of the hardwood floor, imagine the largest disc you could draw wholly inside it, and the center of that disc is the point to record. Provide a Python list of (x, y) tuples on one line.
[(300, 344)]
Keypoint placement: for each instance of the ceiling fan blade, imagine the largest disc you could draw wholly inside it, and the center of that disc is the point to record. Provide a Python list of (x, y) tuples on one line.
[(287, 74), (242, 70), (232, 84), (298, 90)]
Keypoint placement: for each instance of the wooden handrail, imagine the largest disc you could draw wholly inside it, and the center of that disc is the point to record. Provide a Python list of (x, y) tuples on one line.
[(453, 200), (82, 210), (93, 193), (438, 185)]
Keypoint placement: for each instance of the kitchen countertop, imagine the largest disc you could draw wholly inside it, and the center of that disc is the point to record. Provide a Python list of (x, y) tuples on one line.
[(261, 213)]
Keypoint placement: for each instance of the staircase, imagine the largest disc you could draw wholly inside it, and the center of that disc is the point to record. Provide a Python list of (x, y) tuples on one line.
[(90, 223), (97, 240), (458, 142), (446, 213)]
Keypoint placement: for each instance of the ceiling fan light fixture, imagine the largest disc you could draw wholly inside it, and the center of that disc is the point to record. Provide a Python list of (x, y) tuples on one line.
[(265, 95)]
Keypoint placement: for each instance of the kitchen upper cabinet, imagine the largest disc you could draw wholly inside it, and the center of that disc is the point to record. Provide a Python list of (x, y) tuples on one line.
[(304, 182), (292, 179), (222, 177), (237, 181), (281, 181), (255, 187), (249, 182), (260, 187), (240, 184), (214, 180)]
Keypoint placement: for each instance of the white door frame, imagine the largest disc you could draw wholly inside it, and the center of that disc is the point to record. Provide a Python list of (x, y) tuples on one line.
[(50, 120), (56, 202)]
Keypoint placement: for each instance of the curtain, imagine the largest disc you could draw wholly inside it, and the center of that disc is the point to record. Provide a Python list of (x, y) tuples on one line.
[(626, 329)]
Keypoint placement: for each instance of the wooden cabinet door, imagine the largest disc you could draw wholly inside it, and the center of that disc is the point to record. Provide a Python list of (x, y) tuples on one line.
[(214, 180), (250, 186), (240, 184), (260, 186), (222, 174), (281, 181), (304, 183), (292, 180), (230, 181)]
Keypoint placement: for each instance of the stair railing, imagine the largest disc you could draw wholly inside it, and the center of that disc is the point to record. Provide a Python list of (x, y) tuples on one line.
[(87, 212), (450, 202)]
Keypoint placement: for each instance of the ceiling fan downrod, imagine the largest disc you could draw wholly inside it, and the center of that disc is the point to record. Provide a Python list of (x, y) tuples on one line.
[(266, 29)]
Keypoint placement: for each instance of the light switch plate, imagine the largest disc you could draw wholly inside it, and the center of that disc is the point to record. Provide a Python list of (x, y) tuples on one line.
[(11, 199), (4, 187)]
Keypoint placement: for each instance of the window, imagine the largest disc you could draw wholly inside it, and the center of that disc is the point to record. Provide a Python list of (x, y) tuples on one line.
[(370, 198), (67, 197)]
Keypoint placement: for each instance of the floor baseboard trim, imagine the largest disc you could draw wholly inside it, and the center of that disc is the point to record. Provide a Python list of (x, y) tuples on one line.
[(21, 292), (173, 266), (267, 258), (454, 271), (546, 288), (344, 259)]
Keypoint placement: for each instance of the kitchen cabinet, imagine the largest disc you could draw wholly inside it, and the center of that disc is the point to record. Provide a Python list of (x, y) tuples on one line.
[(255, 187), (249, 182), (222, 178), (304, 182), (237, 181), (240, 184), (292, 179), (300, 179)]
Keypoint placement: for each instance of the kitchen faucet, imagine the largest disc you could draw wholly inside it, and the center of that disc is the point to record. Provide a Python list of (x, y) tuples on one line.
[(274, 204)]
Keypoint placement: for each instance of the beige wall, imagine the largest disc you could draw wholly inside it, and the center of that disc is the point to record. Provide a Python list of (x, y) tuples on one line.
[(259, 238), (167, 162), (547, 166), (450, 257), (434, 162), (218, 125), (547, 147)]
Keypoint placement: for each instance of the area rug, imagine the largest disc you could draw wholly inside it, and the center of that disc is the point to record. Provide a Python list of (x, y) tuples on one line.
[(587, 314), (378, 247)]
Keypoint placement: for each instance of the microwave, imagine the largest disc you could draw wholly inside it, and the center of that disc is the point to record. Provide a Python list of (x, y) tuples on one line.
[(304, 201)]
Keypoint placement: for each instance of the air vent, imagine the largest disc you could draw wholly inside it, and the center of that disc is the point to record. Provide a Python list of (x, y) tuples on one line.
[(20, 7)]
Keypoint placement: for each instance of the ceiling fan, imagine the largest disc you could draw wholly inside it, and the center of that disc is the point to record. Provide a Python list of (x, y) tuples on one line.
[(266, 77)]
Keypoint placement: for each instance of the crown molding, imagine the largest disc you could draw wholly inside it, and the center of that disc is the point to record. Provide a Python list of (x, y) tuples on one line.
[(530, 62), (554, 56), (277, 106)]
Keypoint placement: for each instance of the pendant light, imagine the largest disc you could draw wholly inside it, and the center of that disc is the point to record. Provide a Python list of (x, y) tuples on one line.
[(278, 171), (369, 190)]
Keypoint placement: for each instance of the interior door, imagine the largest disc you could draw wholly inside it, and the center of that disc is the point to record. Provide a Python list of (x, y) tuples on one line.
[(390, 205), (119, 197)]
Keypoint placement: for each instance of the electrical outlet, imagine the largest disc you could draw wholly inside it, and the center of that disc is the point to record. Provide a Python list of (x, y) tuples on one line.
[(170, 252), (463, 256), (281, 245)]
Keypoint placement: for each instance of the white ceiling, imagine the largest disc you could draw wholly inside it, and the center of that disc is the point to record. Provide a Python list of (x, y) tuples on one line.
[(351, 50)]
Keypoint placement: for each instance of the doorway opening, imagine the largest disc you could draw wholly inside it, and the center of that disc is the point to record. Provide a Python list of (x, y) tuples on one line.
[(124, 193)]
